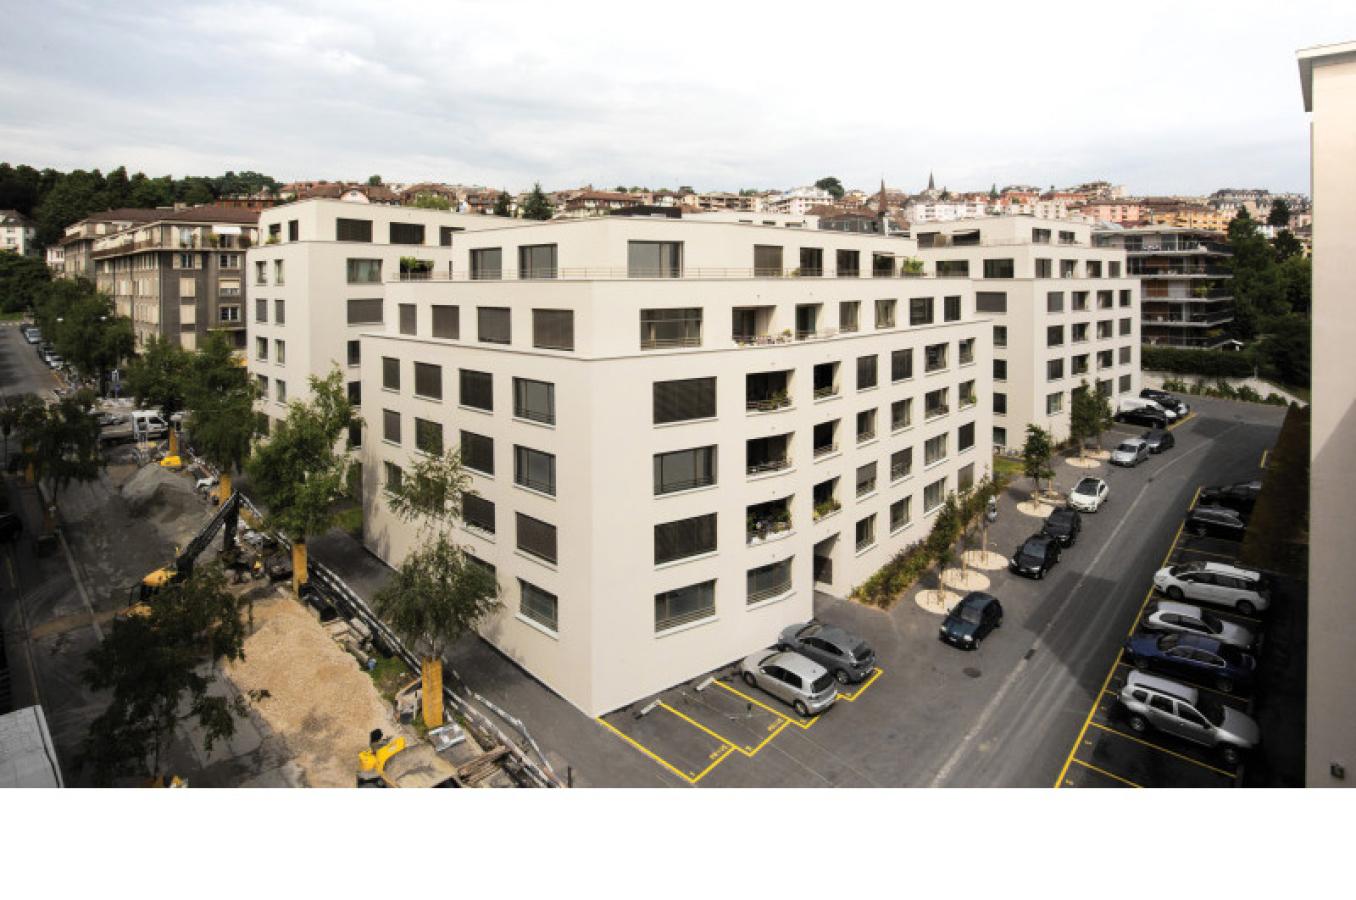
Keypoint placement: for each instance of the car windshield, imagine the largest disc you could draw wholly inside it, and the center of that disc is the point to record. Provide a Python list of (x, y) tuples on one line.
[(1212, 709), (861, 651), (1126, 448), (1168, 641), (969, 613), (1184, 569), (822, 682), (1232, 655), (1034, 548), (1086, 486), (1212, 622), (1058, 523)]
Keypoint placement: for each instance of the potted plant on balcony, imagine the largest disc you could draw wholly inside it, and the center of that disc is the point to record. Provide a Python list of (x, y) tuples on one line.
[(413, 269), (244, 241), (912, 266), (781, 520), (273, 239)]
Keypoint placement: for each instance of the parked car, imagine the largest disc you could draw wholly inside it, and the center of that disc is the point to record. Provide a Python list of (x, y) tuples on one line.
[(1145, 416), (55, 361), (1036, 556), (1128, 404), (1169, 615), (1239, 497), (791, 678), (1216, 521), (1063, 525), (33, 336), (1180, 710), (1192, 656), (848, 657), (1159, 439), (970, 621), (11, 526), (1130, 452), (1217, 584), (1089, 495), (1166, 400)]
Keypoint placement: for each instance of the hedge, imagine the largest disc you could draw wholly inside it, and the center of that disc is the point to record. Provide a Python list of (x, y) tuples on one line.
[(1216, 363)]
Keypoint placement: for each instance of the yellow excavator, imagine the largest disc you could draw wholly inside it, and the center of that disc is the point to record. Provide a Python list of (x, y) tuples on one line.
[(227, 517), (397, 763)]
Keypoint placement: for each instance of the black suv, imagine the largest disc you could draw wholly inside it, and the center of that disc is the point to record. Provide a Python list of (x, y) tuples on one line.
[(1239, 497), (1063, 525), (971, 620), (1166, 400), (1216, 521), (1147, 416), (1036, 556)]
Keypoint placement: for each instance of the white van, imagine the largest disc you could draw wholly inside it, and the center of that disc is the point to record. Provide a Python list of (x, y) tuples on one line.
[(148, 423), (1129, 403)]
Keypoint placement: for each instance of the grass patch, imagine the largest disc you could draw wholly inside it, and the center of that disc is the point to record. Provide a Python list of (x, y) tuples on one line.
[(390, 675), (1277, 539), (17, 316), (1006, 469), (350, 519)]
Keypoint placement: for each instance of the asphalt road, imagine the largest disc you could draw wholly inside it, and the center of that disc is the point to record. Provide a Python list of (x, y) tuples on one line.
[(21, 372)]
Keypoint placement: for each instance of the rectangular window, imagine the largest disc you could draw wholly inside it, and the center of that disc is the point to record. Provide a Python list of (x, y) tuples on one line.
[(1054, 403), (684, 538), (934, 357), (934, 495), (355, 393), (446, 322), (280, 352), (393, 476), (901, 464), (261, 272), (901, 365), (280, 387), (1068, 268), (1125, 297), (1054, 336), (492, 324), (1104, 359), (885, 313), (965, 477), (1043, 268), (540, 606), (477, 390), (1078, 364), (1080, 332), (684, 605), (660, 328), (1054, 302), (355, 356), (811, 262), (534, 400), (230, 313), (428, 381), (534, 469), (849, 263), (261, 382), (866, 372), (965, 437), (1124, 355), (1000, 404), (477, 512), (951, 309), (261, 349), (1080, 301), (900, 514), (477, 452), (1054, 369), (953, 268), (684, 400), (390, 373), (1040, 235), (882, 265), (866, 425), (901, 414), (920, 311), (866, 479), (1094, 268), (866, 532), (1000, 335), (1114, 269), (357, 230), (849, 314), (934, 404), (998, 268), (406, 233), (261, 310), (1124, 383), (536, 537), (445, 233), (1104, 299), (966, 351), (428, 437), (934, 450), (537, 261), (279, 312), (1104, 329), (487, 264), (992, 302), (966, 392), (367, 311), (390, 426), (1126, 326), (682, 470), (654, 259), (293, 229), (553, 329), (279, 272), (364, 271), (771, 580), (1000, 370), (409, 317), (767, 261)]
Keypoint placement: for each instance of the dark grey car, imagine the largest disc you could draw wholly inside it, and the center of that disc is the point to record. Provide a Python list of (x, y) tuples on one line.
[(1159, 439), (847, 656)]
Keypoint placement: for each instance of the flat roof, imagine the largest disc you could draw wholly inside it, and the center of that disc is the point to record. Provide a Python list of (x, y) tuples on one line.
[(1323, 53), (27, 757)]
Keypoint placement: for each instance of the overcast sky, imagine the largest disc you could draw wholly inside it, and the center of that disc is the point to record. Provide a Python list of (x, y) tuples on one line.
[(1164, 97)]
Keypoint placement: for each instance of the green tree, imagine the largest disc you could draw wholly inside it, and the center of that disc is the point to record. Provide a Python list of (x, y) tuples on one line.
[(373, 180), (1279, 215), (61, 445), (16, 410), (502, 204), (1287, 349), (940, 544), (159, 378), (220, 399), (1089, 415), (537, 207), (1036, 455), (299, 473), (160, 664), (1286, 246), (23, 281), (73, 197), (832, 185), (993, 191), (432, 201), (85, 328)]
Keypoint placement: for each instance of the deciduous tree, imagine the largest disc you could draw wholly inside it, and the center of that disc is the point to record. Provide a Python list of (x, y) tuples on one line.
[(159, 377), (1089, 414), (220, 401), (832, 185), (1036, 455)]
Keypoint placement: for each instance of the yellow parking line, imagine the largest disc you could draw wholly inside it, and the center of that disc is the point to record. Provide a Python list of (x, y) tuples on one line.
[(715, 762), (1106, 773), (862, 689), (1194, 762), (1263, 463), (1189, 417), (654, 756), (746, 750), (9, 567), (803, 726)]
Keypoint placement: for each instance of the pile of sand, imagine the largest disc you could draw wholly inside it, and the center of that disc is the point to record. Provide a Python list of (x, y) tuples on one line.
[(160, 495), (320, 703)]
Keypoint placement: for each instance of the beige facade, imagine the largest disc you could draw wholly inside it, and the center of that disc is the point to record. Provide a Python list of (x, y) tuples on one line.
[(1063, 312), (1328, 80), (807, 431)]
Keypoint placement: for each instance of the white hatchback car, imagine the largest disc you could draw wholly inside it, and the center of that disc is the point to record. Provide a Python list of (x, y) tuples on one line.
[(1168, 615), (1089, 495), (1217, 584)]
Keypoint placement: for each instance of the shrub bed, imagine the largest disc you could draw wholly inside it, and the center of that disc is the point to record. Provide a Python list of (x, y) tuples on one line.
[(1210, 363)]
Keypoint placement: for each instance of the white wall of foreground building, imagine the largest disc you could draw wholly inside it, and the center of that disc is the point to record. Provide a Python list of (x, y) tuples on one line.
[(604, 651), (1328, 81), (1019, 300)]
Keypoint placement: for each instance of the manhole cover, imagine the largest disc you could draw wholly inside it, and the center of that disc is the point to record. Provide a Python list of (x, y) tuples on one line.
[(972, 672)]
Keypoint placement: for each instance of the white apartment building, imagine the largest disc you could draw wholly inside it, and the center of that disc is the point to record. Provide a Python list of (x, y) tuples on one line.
[(672, 439), (319, 279), (797, 201), (17, 233), (926, 211), (1063, 312)]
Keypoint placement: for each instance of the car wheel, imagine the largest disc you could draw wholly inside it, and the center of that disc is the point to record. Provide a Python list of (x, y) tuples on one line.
[(1139, 724), (842, 677), (1231, 756), (1225, 684), (801, 709), (1246, 608), (1040, 573), (750, 680), (1175, 593)]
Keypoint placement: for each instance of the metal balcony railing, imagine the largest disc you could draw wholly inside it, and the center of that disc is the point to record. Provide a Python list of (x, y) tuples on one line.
[(767, 404), (771, 465), (824, 449)]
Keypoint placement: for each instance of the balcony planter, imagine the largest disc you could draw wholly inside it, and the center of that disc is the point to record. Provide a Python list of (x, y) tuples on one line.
[(827, 508), (912, 267), (273, 239)]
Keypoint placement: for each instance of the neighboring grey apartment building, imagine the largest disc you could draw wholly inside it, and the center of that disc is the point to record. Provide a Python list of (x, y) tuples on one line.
[(1328, 82), (17, 233), (1186, 294), (77, 245), (1064, 311), (179, 274)]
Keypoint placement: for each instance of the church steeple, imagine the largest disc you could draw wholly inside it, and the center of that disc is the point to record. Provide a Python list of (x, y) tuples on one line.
[(932, 185)]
